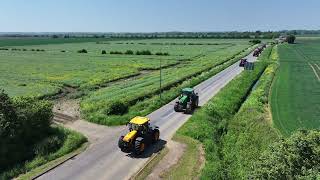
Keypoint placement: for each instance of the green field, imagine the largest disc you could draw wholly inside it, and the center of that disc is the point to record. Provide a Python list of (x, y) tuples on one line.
[(106, 82), (295, 95)]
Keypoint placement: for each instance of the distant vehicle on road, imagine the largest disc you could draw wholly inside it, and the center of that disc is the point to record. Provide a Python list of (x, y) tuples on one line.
[(243, 62), (187, 101)]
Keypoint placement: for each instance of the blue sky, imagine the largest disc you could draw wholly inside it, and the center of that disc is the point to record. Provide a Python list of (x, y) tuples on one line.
[(157, 15)]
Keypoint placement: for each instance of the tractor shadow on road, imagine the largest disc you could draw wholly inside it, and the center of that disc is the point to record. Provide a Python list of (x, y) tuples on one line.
[(150, 150)]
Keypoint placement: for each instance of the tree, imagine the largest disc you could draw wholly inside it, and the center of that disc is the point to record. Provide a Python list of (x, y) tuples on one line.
[(297, 157), (291, 38), (103, 52), (83, 51)]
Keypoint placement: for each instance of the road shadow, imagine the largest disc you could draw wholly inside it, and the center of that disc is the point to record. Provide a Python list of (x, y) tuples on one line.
[(150, 150)]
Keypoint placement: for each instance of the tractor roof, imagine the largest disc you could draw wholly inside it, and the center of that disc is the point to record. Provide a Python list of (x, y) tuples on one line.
[(139, 120), (187, 90)]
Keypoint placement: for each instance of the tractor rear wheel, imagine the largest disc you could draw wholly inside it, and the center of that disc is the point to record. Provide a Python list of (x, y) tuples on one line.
[(156, 135), (139, 146), (188, 108), (120, 143)]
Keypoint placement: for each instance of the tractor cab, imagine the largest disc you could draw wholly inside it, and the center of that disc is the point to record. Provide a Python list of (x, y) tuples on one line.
[(139, 124)]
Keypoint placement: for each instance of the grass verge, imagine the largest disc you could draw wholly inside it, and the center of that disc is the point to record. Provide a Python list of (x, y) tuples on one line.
[(190, 164), (146, 170), (209, 124), (71, 141)]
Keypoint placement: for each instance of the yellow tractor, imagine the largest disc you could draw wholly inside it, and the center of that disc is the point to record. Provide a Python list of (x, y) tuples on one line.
[(140, 135)]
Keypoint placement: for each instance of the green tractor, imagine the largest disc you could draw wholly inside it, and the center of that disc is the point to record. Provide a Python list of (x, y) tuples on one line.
[(139, 137), (187, 101)]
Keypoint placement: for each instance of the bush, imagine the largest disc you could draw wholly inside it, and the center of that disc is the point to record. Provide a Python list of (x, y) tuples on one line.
[(255, 41), (103, 52), (297, 157), (144, 52), (63, 51), (129, 52), (83, 51), (115, 52), (162, 54), (290, 39), (117, 108), (23, 122)]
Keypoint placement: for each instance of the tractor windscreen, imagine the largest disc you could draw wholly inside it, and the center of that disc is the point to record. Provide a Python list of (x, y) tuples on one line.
[(134, 127)]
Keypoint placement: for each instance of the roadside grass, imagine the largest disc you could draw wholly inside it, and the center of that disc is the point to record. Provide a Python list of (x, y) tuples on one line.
[(189, 166), (70, 140), (295, 97), (250, 131), (143, 174), (209, 124), (141, 106)]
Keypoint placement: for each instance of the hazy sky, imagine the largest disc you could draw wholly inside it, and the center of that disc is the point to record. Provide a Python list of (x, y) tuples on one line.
[(157, 15)]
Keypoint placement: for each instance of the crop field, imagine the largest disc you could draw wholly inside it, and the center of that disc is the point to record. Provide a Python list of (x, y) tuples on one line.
[(295, 96), (107, 81), (44, 69)]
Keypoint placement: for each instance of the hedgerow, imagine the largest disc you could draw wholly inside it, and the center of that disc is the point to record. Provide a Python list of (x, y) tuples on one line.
[(27, 139)]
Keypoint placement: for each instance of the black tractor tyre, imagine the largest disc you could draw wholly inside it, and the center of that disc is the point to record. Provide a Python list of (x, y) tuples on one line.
[(139, 146), (177, 107), (197, 102), (155, 135), (188, 108), (120, 142)]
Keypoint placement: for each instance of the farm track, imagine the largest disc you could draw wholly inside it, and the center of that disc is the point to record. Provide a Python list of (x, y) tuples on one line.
[(104, 160)]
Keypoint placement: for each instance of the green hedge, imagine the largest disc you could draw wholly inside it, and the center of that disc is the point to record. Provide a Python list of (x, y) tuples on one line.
[(58, 142), (297, 157), (27, 139), (23, 122), (209, 124), (250, 131)]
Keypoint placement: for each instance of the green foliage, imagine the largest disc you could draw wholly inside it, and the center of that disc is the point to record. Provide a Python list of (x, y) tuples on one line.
[(103, 52), (209, 124), (23, 122), (255, 41), (162, 54), (291, 38), (82, 51), (58, 142), (249, 131), (116, 52), (297, 157), (129, 52), (117, 108), (144, 52)]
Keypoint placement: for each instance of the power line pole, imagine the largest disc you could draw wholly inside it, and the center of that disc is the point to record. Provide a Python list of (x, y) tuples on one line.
[(160, 77)]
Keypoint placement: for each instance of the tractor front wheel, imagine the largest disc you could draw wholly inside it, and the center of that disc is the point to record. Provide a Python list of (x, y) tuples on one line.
[(156, 135), (139, 146), (176, 107)]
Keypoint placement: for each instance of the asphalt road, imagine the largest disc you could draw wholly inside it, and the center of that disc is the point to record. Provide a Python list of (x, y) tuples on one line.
[(104, 160)]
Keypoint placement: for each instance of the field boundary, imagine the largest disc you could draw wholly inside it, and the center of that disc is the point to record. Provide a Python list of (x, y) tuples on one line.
[(43, 169)]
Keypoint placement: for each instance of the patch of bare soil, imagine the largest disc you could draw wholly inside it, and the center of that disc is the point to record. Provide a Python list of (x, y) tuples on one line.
[(176, 151)]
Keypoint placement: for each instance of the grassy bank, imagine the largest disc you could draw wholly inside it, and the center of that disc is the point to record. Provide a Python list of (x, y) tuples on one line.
[(210, 124), (60, 142)]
